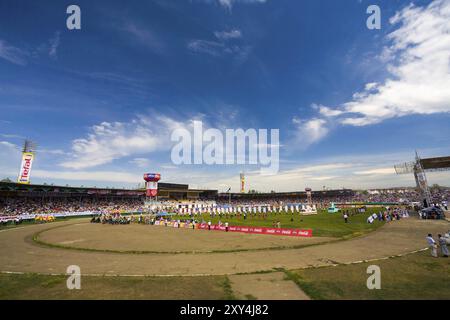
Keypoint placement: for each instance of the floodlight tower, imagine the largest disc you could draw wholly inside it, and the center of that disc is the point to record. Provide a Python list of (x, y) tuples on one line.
[(416, 168), (242, 177)]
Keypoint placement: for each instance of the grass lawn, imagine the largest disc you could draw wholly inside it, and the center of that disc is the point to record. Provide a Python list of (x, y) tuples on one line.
[(415, 276), (34, 286), (323, 224)]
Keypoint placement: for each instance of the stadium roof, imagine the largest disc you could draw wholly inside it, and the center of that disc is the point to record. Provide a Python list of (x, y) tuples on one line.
[(17, 187), (436, 164)]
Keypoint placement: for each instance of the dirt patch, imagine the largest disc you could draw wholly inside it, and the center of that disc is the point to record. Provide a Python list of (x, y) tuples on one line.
[(266, 286)]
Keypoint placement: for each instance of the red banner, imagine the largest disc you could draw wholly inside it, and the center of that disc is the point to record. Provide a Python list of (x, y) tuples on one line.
[(261, 230)]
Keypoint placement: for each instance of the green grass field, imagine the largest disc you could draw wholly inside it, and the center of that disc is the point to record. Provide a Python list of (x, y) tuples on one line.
[(323, 224)]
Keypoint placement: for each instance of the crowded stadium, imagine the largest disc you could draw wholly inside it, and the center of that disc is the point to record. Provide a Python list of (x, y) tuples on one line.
[(221, 150)]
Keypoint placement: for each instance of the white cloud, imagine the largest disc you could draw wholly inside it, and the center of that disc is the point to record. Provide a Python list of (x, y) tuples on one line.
[(54, 44), (101, 176), (212, 48), (226, 35), (8, 144), (239, 53), (144, 36), (52, 151), (10, 156), (12, 54), (326, 111), (419, 55), (141, 162), (11, 136), (350, 171), (377, 171), (109, 141), (310, 131), (228, 4)]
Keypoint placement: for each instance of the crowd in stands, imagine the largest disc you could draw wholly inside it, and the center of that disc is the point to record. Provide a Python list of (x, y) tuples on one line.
[(28, 205), (11, 206), (439, 197)]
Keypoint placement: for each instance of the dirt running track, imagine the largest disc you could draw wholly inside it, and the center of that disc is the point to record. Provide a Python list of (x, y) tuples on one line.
[(18, 253)]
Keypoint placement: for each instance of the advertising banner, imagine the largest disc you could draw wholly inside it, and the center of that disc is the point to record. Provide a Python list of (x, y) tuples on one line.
[(261, 230), (25, 168)]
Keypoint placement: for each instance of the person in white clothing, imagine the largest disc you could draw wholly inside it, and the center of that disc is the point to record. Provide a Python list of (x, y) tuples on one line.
[(432, 245)]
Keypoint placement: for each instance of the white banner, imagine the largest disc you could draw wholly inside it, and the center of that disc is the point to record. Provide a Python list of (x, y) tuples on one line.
[(25, 168)]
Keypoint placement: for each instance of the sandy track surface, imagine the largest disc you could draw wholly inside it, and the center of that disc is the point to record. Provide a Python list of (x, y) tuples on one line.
[(265, 286), (20, 254), (145, 238)]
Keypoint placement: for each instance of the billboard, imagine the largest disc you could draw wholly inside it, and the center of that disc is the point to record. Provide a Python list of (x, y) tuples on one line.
[(25, 167)]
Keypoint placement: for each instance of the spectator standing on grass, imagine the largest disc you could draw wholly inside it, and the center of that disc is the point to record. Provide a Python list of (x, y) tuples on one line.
[(346, 217), (432, 245), (443, 245)]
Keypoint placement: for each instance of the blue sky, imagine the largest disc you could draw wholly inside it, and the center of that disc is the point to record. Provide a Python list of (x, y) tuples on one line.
[(101, 102)]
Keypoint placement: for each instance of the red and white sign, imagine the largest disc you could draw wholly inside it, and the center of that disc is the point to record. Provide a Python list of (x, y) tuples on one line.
[(25, 168), (261, 230), (152, 189)]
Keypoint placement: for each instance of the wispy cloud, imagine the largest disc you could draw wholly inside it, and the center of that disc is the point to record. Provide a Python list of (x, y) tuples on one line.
[(378, 171), (144, 36), (310, 131), (8, 144), (226, 35), (141, 162), (54, 44), (418, 55), (100, 176), (350, 171), (228, 4), (13, 54), (225, 46), (418, 59), (11, 136), (109, 141), (212, 48)]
